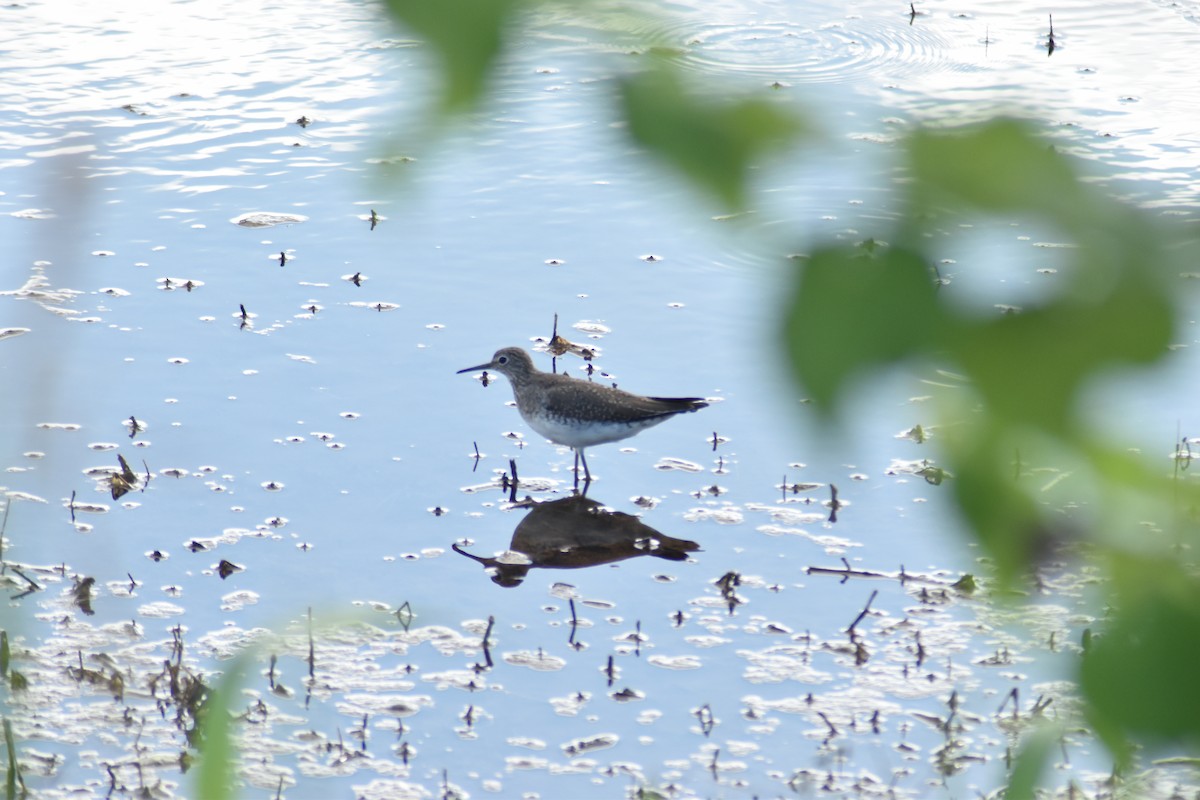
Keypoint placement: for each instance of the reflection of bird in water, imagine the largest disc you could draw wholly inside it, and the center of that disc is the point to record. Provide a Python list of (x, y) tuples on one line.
[(576, 532), (579, 413)]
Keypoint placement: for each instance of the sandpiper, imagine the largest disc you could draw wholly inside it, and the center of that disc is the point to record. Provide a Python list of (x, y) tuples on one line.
[(579, 413)]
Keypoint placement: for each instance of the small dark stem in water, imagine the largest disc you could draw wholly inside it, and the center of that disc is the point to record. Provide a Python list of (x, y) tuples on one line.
[(487, 650), (487, 634), (1014, 697), (705, 716), (312, 656), (862, 613), (33, 585)]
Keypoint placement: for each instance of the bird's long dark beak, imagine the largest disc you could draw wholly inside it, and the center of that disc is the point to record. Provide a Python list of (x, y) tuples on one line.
[(472, 369)]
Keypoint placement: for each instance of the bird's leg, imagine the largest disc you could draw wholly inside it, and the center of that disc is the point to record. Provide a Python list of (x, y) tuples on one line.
[(587, 475)]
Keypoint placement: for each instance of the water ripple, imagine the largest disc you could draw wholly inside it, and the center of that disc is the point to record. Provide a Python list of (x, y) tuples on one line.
[(844, 50)]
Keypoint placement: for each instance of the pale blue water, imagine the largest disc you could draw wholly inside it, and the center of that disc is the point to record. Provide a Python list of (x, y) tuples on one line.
[(359, 414)]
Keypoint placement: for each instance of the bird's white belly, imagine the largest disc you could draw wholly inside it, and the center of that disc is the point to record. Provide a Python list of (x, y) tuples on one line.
[(579, 435)]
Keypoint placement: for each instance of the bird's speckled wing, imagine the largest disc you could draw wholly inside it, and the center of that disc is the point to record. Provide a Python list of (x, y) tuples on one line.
[(584, 400)]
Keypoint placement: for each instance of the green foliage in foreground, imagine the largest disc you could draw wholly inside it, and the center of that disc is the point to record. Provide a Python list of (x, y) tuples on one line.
[(1025, 376)]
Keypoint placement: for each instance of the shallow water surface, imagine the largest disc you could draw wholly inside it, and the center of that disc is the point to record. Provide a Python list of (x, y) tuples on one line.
[(304, 463)]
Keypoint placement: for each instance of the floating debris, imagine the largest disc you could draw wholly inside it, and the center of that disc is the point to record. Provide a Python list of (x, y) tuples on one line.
[(267, 219)]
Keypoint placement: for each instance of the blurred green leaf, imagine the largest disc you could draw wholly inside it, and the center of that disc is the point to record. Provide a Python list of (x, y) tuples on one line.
[(1030, 763), (714, 143), (852, 311), (1031, 366), (1006, 519), (998, 166), (468, 37), (1140, 676), (13, 777), (217, 771)]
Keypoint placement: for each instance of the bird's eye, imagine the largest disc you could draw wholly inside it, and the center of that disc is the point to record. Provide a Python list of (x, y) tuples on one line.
[(502, 360)]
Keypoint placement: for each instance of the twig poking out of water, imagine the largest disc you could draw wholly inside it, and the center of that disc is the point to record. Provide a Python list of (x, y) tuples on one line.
[(124, 481), (487, 644), (448, 792), (834, 503), (282, 257), (912, 13), (1014, 697), (478, 456), (833, 731), (862, 613), (610, 671), (81, 594), (512, 488), (560, 346), (727, 584), (374, 219), (920, 649), (312, 655), (574, 627), (1050, 42), (405, 616), (705, 716), (487, 634)]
